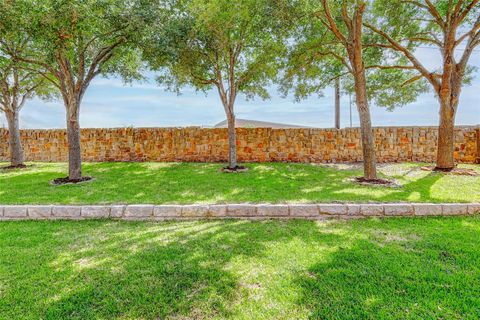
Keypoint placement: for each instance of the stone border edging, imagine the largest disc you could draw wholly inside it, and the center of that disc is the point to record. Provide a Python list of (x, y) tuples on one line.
[(248, 211)]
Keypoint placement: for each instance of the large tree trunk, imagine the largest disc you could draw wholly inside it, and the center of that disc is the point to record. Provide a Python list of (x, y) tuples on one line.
[(74, 147), (16, 151), (355, 54), (446, 136), (232, 142), (368, 142)]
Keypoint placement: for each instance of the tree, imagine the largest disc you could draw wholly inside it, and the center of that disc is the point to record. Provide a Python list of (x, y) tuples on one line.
[(16, 87), (72, 43), (232, 47), (452, 26), (331, 43)]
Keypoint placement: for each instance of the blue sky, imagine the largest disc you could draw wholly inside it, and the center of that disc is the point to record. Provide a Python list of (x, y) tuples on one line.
[(108, 103)]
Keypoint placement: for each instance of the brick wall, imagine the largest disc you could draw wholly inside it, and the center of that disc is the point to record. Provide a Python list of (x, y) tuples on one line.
[(261, 144)]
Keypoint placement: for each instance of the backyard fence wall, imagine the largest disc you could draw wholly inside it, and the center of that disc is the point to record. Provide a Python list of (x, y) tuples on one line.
[(194, 144)]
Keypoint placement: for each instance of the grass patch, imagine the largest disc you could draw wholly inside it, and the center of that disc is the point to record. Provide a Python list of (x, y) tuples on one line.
[(369, 269), (185, 183)]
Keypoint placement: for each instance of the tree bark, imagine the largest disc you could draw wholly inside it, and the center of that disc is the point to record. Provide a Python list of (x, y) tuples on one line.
[(352, 42), (232, 142), (366, 130), (446, 135), (74, 147), (355, 53), (16, 151), (337, 103)]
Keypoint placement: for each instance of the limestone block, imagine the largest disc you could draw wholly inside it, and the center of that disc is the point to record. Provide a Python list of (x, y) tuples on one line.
[(427, 209), (333, 209), (95, 211), (167, 211), (66, 211), (303, 210), (139, 211), (372, 210), (15, 211), (241, 210), (39, 212), (269, 210), (399, 209)]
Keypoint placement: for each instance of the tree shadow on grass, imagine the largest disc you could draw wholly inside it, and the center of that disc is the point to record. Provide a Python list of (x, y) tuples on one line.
[(137, 270), (397, 268), (422, 269), (186, 183)]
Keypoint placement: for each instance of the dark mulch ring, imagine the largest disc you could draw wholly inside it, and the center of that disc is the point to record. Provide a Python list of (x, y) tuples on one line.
[(377, 182), (237, 169), (19, 166), (67, 180), (455, 171)]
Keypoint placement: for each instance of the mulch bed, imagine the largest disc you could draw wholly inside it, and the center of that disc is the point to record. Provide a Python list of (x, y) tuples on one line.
[(455, 171), (67, 180), (20, 166), (376, 182), (237, 169)]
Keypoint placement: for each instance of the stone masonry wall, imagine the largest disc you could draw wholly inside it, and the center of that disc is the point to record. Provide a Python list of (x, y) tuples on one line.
[(393, 144)]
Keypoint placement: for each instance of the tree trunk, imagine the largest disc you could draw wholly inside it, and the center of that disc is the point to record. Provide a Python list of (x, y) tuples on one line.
[(232, 142), (368, 142), (446, 135), (16, 151), (74, 148), (337, 103)]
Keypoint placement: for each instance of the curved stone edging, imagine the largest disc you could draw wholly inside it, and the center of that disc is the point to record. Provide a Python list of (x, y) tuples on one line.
[(248, 211)]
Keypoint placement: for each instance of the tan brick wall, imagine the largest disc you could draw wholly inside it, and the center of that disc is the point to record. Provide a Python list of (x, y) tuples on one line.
[(254, 145)]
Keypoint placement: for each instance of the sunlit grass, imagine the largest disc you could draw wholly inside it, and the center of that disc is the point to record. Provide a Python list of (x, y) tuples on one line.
[(371, 269), (183, 183)]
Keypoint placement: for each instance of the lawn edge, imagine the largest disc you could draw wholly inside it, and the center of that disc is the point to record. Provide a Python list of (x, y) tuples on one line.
[(240, 211)]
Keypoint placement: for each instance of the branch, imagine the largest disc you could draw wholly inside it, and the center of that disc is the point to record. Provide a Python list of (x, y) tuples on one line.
[(471, 33), (431, 9), (391, 67), (332, 25), (104, 55), (467, 10), (411, 80), (38, 63), (418, 65), (434, 12), (203, 80), (472, 43), (45, 76)]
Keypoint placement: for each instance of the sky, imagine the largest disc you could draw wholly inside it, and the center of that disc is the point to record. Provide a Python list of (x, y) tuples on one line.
[(109, 103)]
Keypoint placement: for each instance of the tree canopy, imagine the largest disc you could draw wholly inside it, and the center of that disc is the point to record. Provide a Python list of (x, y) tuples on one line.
[(317, 57), (217, 43)]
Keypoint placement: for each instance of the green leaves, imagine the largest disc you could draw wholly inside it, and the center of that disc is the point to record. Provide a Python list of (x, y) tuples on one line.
[(208, 43), (75, 40), (317, 57)]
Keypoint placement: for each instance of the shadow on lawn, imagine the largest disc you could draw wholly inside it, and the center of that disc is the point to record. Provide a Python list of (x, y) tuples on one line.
[(427, 272), (185, 183), (154, 271), (422, 268), (275, 184)]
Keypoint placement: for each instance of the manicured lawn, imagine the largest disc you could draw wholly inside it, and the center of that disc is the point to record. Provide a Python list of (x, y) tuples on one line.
[(185, 183), (369, 269)]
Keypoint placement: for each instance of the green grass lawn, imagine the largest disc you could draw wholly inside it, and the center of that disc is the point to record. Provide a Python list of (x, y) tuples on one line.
[(185, 183), (182, 183), (368, 269)]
